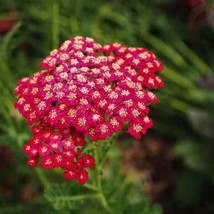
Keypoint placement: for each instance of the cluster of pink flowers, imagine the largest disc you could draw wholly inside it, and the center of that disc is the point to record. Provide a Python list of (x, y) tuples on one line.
[(85, 90)]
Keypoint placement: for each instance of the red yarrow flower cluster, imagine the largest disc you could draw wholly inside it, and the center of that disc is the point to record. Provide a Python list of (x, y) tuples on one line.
[(86, 90)]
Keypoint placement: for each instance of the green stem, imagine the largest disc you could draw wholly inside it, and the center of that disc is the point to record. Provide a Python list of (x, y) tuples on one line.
[(108, 147), (102, 196), (77, 197), (42, 177), (178, 78), (90, 146), (105, 203), (193, 57), (55, 24), (98, 173), (7, 103), (89, 186), (163, 47)]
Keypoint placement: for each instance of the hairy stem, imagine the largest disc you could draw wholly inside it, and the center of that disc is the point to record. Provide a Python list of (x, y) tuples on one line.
[(103, 199), (98, 172)]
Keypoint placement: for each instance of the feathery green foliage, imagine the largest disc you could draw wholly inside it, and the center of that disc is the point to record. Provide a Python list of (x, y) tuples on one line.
[(42, 26)]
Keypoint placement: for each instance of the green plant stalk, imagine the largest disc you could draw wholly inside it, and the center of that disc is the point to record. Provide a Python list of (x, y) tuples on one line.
[(108, 147), (42, 177), (74, 23), (105, 203), (89, 186), (8, 40), (7, 104), (78, 197), (192, 57), (178, 79), (174, 103), (98, 171), (5, 49), (55, 24), (179, 105), (90, 146), (162, 47), (99, 184), (6, 115)]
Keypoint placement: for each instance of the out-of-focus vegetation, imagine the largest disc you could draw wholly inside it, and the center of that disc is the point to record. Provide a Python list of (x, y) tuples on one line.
[(181, 34)]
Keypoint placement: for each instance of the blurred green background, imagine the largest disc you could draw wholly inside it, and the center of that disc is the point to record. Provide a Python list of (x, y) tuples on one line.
[(175, 161)]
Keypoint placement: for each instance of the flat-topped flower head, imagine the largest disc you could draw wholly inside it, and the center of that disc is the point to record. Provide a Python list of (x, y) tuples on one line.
[(86, 90)]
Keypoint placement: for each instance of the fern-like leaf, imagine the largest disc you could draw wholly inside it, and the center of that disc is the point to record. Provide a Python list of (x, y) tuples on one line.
[(67, 196)]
